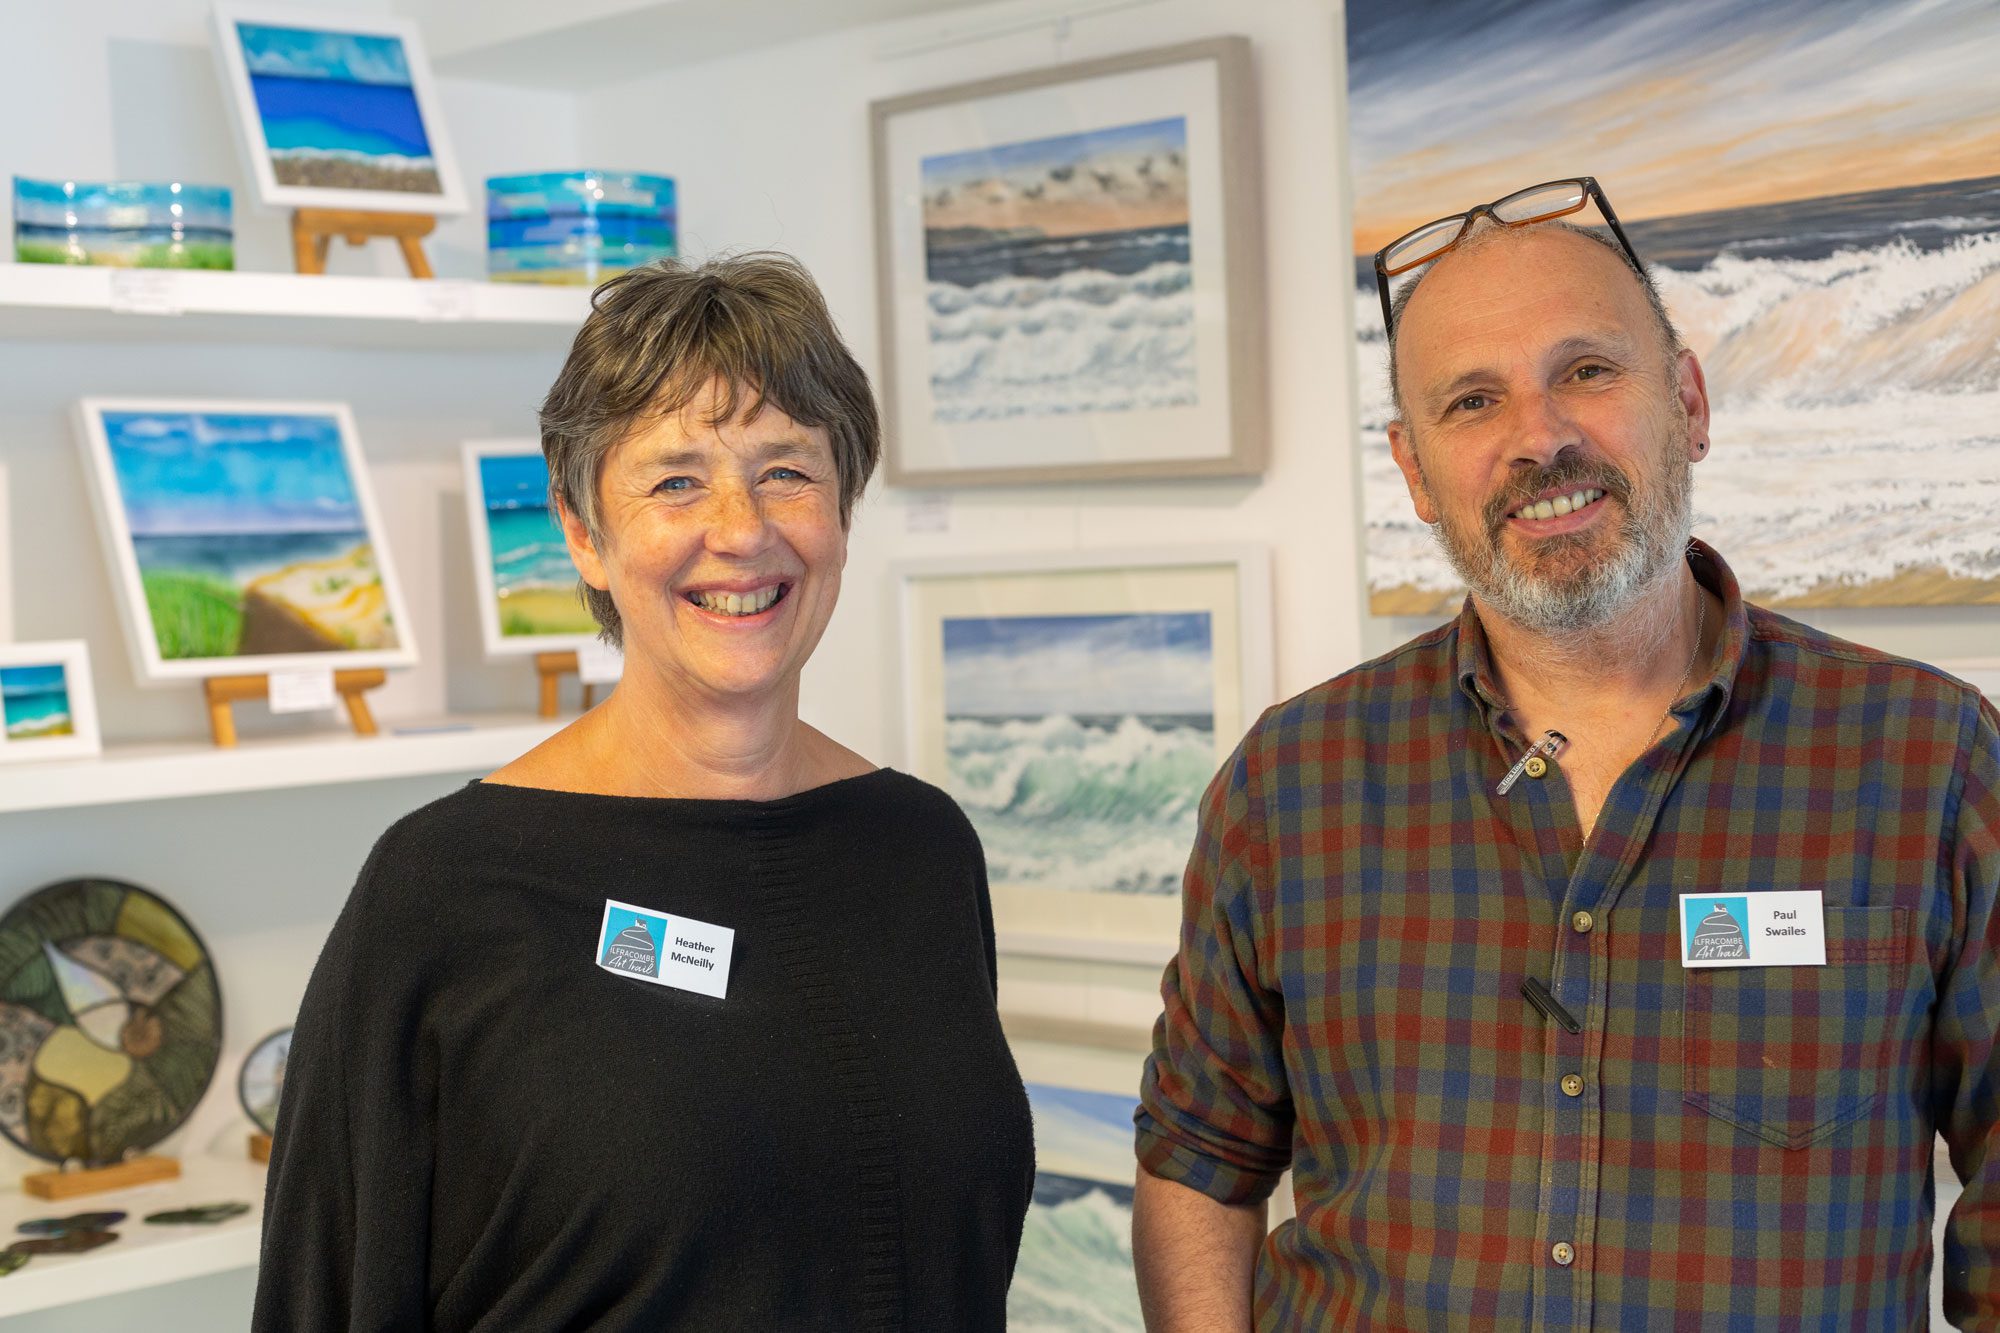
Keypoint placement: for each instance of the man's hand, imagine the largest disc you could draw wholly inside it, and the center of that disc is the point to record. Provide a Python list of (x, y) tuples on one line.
[(1195, 1257)]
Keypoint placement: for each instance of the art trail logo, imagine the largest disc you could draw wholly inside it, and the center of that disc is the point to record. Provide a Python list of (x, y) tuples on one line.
[(1718, 928), (631, 942)]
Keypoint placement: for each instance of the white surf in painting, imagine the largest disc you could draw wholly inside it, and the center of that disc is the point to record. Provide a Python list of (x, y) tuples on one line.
[(1080, 746), (1074, 1274), (1856, 405)]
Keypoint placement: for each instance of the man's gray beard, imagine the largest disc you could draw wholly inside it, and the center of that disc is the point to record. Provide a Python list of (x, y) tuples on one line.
[(1655, 542)]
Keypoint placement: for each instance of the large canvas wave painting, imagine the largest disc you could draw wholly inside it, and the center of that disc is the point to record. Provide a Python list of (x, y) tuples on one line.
[(1830, 250), (1074, 1274)]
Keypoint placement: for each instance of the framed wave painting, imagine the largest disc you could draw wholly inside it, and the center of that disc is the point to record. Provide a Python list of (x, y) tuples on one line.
[(1074, 1273), (1828, 250), (1070, 273), (336, 110), (47, 707), (1076, 707), (243, 537), (528, 600)]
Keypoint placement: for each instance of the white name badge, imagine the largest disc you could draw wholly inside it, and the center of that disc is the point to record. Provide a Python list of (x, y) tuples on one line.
[(675, 951), (1752, 929)]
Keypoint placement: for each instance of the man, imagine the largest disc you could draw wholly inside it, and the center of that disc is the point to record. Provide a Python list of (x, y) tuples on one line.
[(1435, 954)]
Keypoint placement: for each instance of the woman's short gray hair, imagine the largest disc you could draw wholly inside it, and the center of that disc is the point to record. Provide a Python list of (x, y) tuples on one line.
[(754, 325)]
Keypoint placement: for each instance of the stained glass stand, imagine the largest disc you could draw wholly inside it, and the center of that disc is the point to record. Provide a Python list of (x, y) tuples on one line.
[(260, 1146), (97, 1179), (551, 668)]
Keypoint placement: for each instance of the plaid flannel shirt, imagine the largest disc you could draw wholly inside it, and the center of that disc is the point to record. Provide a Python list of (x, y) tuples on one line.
[(1727, 1148)]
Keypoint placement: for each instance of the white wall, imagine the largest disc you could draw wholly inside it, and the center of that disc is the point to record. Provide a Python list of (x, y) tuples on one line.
[(128, 89), (758, 166)]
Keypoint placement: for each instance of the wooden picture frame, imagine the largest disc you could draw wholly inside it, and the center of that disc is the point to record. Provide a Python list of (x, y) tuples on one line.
[(1026, 677), (306, 69), (1070, 273), (284, 555), (48, 705)]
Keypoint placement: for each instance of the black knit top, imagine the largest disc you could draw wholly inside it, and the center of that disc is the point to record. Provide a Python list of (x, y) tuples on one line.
[(482, 1129)]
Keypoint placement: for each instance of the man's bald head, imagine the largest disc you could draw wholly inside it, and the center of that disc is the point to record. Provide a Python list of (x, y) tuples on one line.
[(1486, 235)]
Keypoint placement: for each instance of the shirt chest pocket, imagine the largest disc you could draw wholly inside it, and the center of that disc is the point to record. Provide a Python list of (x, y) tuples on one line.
[(1791, 1054)]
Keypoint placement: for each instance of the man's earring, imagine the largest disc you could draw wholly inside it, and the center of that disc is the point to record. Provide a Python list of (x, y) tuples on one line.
[(1701, 446)]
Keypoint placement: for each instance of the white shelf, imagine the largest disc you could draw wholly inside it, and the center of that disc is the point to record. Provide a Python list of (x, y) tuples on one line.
[(143, 1255), (56, 302), (407, 748)]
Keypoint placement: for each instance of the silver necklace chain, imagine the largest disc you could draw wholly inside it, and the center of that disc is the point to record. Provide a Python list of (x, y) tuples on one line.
[(1700, 628)]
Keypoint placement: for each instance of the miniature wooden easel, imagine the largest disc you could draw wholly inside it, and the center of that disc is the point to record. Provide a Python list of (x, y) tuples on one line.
[(224, 691), (260, 1146), (98, 1179), (313, 230), (552, 667)]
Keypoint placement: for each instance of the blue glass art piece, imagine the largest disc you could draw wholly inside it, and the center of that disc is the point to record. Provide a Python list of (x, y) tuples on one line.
[(576, 228), (124, 224)]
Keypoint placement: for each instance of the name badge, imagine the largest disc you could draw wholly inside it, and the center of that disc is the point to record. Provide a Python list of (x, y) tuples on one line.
[(1752, 929), (675, 951)]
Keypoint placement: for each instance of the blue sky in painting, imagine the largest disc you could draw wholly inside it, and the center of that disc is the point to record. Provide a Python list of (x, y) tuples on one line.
[(24, 680), (1680, 108), (1153, 136), (184, 472), (306, 53), (514, 481), (1149, 663)]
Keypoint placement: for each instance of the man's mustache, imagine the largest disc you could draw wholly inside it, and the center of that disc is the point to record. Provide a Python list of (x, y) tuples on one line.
[(1564, 474)]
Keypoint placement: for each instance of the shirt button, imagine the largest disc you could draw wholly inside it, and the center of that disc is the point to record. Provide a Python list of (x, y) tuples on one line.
[(1581, 923), (1572, 1084), (1563, 1253), (1536, 766)]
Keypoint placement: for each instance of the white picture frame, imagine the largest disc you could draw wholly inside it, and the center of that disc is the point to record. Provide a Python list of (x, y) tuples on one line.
[(384, 43), (1076, 655), (501, 637), (1069, 270), (27, 707), (314, 575)]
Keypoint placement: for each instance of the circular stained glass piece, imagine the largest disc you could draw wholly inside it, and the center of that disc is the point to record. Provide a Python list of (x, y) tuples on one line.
[(262, 1079), (112, 1023)]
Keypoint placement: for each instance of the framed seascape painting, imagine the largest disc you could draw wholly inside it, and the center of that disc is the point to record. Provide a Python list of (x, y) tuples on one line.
[(528, 600), (46, 701), (1074, 1273), (1828, 250), (1077, 706), (336, 110), (1070, 272), (243, 537)]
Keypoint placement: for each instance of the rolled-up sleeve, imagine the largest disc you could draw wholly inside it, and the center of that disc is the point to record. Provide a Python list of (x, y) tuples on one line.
[(1215, 1111)]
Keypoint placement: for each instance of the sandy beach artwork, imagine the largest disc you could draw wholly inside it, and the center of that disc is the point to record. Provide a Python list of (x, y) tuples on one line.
[(47, 709), (1074, 1274), (247, 535), (527, 584), (1830, 250), (1059, 274), (1079, 745), (338, 109)]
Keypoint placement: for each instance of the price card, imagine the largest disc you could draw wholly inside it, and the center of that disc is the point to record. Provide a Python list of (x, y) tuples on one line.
[(302, 691), (146, 291), (598, 663), (927, 513), (445, 302)]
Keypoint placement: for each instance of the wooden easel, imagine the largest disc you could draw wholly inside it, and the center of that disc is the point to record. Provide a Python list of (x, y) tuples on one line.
[(224, 691), (260, 1147), (552, 667), (98, 1179), (313, 230)]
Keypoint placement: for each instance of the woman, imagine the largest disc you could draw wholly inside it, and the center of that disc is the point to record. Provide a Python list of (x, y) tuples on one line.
[(684, 1019)]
